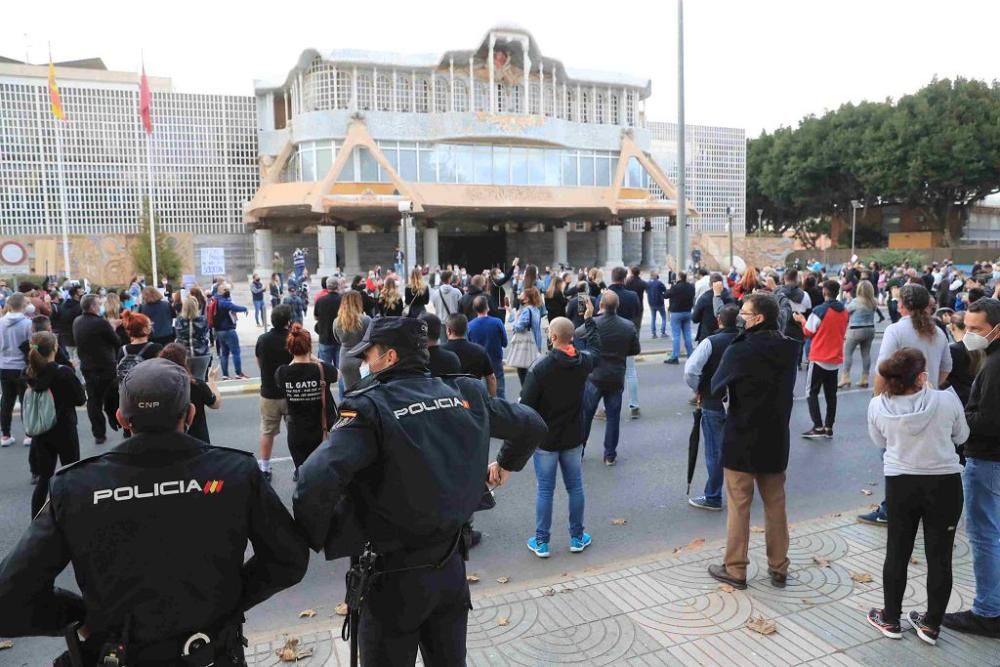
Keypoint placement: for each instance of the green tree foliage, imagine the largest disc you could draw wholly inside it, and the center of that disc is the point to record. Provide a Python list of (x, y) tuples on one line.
[(937, 149), (168, 262)]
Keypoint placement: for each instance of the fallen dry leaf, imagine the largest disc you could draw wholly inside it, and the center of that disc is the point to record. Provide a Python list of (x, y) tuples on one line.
[(341, 609), (472, 579), (822, 562), (696, 543), (756, 529), (726, 588), (619, 522), (915, 561), (548, 592), (567, 589), (861, 577), (874, 506), (503, 580), (503, 621), (762, 625), (807, 601), (837, 514), (290, 652), (677, 550), (6, 644), (867, 492), (307, 613)]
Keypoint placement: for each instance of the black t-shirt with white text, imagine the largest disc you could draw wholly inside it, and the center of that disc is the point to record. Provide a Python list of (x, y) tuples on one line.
[(299, 384)]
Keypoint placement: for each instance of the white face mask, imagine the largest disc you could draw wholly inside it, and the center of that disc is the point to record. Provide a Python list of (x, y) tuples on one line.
[(366, 367), (974, 341)]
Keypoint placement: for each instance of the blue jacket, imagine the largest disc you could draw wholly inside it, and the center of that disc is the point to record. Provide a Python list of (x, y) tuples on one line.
[(656, 293), (628, 303), (529, 318), (490, 333), (223, 320)]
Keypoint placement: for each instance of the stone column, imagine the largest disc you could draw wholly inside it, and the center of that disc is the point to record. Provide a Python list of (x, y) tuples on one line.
[(352, 260), (602, 244), (560, 245), (407, 236), (431, 244), (648, 261), (263, 251), (613, 246), (327, 247)]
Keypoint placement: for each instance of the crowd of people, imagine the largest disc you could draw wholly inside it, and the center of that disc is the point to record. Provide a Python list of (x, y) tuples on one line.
[(572, 338)]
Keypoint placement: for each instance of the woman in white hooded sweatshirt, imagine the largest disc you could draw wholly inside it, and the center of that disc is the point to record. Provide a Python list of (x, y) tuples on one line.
[(920, 429)]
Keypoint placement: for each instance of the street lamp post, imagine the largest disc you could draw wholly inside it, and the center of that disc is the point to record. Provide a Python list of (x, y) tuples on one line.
[(855, 205), (760, 217), (729, 213)]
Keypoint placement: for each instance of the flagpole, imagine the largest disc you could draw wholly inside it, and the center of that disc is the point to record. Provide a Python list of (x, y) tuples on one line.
[(149, 176), (62, 197)]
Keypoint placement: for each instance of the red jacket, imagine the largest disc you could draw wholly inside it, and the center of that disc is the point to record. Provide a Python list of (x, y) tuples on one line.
[(827, 326)]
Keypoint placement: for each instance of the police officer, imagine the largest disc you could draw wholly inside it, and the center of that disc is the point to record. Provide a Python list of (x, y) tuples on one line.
[(411, 452), (156, 530)]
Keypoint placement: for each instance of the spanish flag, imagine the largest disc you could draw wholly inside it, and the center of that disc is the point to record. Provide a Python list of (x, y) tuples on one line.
[(145, 102), (54, 100)]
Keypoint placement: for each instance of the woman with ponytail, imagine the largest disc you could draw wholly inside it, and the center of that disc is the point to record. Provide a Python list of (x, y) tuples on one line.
[(305, 384), (42, 375)]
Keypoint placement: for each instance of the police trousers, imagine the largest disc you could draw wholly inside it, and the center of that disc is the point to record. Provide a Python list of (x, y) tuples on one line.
[(426, 608)]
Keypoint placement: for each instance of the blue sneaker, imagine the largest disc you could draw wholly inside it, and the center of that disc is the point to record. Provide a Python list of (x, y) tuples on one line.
[(540, 549), (578, 544), (701, 502), (875, 518)]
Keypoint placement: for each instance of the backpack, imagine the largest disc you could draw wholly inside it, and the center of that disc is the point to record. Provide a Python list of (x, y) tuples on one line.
[(38, 411), (130, 361), (210, 311)]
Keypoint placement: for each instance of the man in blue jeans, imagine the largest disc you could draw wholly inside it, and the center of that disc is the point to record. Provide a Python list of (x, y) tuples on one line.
[(619, 340), (225, 331), (656, 293), (489, 332), (698, 372), (553, 387), (982, 473), (681, 298)]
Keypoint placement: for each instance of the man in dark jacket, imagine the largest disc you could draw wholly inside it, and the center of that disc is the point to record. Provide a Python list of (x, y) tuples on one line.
[(792, 299), (656, 294), (97, 344), (629, 307), (709, 305), (553, 387), (982, 469), (619, 340), (66, 314), (325, 311), (758, 373), (473, 358), (681, 298), (638, 286), (698, 372), (441, 361), (477, 287)]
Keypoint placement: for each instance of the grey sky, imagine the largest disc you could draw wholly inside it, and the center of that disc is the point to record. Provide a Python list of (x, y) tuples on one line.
[(755, 64)]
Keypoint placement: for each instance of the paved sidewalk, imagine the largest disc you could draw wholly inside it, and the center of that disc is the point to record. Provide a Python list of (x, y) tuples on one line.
[(666, 610)]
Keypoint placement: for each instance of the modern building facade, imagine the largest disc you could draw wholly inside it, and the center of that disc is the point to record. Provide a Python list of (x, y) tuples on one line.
[(500, 150)]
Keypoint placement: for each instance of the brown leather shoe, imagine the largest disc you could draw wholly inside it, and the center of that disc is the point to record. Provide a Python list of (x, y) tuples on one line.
[(718, 572), (778, 580)]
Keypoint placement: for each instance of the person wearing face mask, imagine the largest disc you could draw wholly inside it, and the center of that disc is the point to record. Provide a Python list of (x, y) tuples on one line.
[(410, 456), (965, 364), (982, 470)]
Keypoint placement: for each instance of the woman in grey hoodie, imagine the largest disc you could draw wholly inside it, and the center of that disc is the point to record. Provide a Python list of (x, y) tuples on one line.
[(15, 328), (920, 429)]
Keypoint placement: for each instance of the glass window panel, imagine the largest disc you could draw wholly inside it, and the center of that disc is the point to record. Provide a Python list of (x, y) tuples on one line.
[(464, 159), (569, 168), (519, 166), (428, 167), (483, 164), (308, 164), (603, 171), (408, 164), (445, 163), (634, 179), (536, 166), (369, 167), (324, 158), (552, 168), (501, 165), (587, 169), (392, 157)]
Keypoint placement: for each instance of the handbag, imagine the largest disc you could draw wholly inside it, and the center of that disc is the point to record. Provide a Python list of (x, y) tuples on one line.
[(522, 351), (200, 363)]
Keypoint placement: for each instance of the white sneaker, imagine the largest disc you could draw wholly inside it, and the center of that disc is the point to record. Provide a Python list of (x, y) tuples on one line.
[(7, 442), (27, 441)]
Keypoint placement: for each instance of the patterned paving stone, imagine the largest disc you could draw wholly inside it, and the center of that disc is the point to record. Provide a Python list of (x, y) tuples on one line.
[(502, 623), (693, 575), (605, 642), (705, 614), (321, 644)]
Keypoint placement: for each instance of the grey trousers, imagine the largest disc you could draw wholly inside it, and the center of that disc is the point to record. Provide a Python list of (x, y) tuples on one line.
[(859, 338)]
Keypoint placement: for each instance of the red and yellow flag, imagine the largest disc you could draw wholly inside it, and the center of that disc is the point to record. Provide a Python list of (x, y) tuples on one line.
[(145, 103), (55, 102)]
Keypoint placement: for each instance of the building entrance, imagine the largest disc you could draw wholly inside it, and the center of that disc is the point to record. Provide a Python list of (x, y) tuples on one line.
[(475, 251)]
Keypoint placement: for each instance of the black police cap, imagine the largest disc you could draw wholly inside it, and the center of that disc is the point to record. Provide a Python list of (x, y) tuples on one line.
[(406, 335)]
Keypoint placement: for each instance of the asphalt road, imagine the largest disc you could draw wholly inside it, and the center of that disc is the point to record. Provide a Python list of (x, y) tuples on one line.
[(647, 488)]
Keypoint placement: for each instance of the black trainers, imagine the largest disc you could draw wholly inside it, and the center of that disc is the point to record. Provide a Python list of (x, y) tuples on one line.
[(828, 432), (973, 624), (267, 475), (672, 360), (876, 619), (926, 632), (778, 580), (815, 432), (719, 573)]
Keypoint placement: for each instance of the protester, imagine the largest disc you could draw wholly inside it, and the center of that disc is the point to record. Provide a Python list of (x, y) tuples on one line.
[(272, 352), (708, 306), (325, 310), (390, 301), (40, 323), (257, 289), (275, 289), (619, 340), (860, 333), (982, 470), (61, 440), (965, 364), (299, 263), (472, 357), (141, 347), (295, 302), (305, 384), (698, 372), (477, 288), (15, 328), (203, 394), (490, 333), (225, 328), (827, 327), (441, 362), (555, 299), (348, 329), (680, 299), (636, 284), (656, 294), (553, 387), (748, 284), (67, 312), (526, 343), (629, 307), (161, 316), (191, 329), (416, 294), (758, 372), (445, 298), (920, 429)]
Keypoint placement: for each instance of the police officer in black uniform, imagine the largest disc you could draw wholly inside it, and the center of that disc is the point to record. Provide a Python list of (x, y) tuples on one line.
[(156, 529), (411, 453)]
